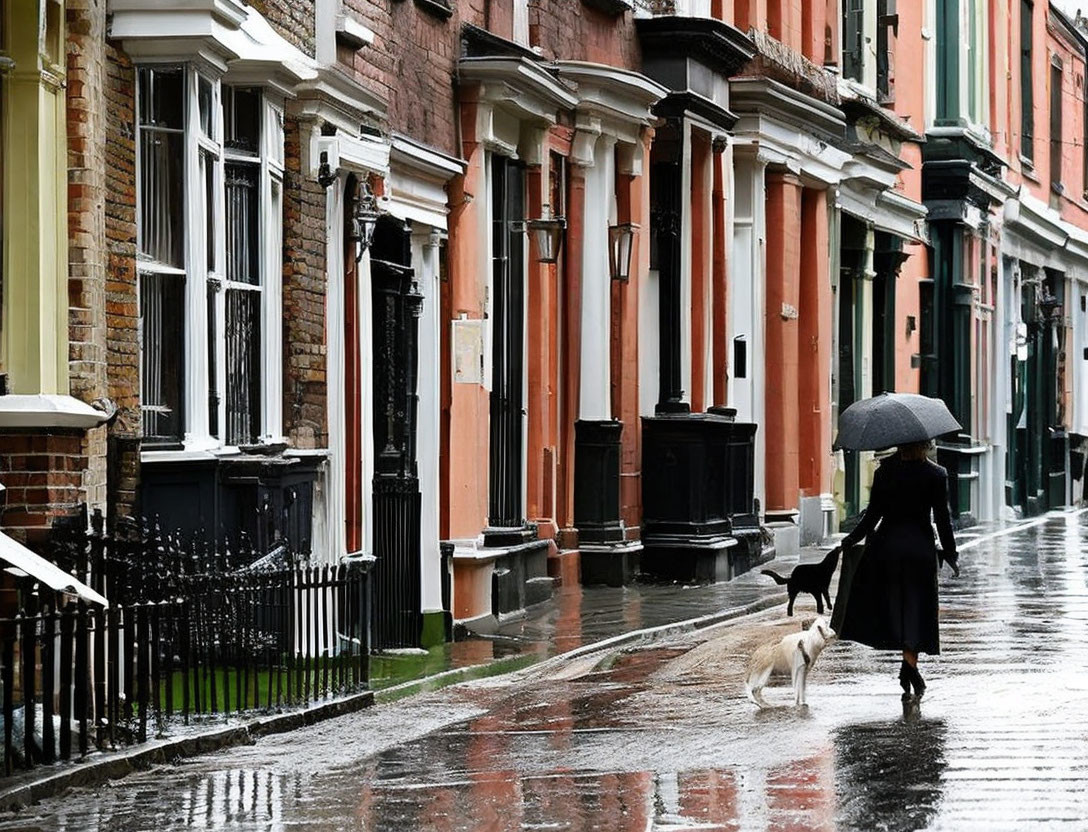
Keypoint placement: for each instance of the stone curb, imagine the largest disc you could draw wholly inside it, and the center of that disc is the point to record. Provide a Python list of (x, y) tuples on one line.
[(101, 767)]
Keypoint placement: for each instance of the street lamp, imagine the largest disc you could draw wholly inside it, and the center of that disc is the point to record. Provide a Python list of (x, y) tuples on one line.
[(364, 220), (548, 232), (621, 243)]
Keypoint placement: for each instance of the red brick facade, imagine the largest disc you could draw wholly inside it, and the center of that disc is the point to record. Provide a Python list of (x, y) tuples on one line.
[(305, 411), (45, 476)]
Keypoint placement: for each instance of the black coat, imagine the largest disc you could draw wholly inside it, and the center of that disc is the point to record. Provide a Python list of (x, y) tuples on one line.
[(888, 591)]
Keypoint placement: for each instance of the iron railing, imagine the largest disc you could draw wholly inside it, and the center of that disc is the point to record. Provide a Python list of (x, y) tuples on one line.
[(190, 635)]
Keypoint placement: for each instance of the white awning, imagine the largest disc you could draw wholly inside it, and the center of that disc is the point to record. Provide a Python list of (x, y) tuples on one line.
[(24, 561)]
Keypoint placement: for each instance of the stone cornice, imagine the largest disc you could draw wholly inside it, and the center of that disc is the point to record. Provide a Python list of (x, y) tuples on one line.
[(693, 105), (48, 411), (765, 96), (722, 47), (611, 92)]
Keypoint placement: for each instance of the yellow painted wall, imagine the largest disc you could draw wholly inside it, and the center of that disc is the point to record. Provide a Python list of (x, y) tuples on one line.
[(34, 343)]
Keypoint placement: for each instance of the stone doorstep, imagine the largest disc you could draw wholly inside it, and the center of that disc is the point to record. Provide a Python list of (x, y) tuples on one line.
[(100, 767)]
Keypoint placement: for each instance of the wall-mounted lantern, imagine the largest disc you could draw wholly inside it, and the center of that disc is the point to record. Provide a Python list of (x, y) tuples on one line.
[(621, 244), (548, 233), (364, 220), (414, 296), (1050, 306)]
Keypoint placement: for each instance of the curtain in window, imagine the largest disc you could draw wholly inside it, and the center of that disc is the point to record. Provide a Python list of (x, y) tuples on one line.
[(243, 365), (161, 298), (243, 305), (243, 252), (161, 203)]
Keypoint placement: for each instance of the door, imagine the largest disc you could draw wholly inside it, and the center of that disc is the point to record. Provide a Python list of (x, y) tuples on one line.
[(396, 305), (505, 503)]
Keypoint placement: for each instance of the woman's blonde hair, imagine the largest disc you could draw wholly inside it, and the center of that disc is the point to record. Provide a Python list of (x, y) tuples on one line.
[(916, 450)]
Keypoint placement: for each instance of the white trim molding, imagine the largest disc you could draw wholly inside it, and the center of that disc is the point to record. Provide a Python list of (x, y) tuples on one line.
[(417, 182), (48, 411), (227, 35)]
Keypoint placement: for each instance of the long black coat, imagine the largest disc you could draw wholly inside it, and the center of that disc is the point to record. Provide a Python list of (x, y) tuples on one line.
[(890, 599)]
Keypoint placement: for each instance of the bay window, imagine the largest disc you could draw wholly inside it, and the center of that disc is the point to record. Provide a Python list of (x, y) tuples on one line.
[(160, 245), (209, 209)]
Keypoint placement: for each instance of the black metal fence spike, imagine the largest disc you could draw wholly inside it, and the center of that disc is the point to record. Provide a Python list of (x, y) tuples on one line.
[(193, 629)]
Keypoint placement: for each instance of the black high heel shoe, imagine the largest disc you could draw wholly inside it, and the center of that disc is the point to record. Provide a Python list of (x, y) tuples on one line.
[(905, 677), (917, 682)]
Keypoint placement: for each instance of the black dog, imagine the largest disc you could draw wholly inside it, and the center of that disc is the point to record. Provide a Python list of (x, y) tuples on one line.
[(813, 578)]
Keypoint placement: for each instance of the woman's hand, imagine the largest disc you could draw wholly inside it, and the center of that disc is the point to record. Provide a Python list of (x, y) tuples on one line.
[(952, 562)]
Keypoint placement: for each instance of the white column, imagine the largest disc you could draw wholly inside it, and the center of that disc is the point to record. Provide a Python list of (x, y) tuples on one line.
[(866, 459), (335, 492), (195, 394), (746, 302), (425, 256), (366, 385), (595, 389)]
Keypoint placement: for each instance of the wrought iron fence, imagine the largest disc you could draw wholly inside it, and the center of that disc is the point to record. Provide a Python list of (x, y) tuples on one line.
[(186, 638)]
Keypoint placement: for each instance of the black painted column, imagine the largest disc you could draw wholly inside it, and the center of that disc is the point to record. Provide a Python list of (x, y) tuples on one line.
[(667, 223), (606, 556)]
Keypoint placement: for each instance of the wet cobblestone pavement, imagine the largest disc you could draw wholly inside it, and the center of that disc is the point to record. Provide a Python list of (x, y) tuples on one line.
[(661, 738)]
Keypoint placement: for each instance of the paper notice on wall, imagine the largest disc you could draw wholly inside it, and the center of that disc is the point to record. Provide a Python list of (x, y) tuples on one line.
[(468, 351)]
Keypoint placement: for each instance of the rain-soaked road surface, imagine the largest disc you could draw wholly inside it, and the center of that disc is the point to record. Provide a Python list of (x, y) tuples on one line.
[(662, 738)]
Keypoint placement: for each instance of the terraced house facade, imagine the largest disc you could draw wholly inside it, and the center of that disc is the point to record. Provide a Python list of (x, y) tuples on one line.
[(496, 294)]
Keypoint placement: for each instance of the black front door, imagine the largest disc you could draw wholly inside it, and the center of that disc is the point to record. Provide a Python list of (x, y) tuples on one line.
[(397, 572), (505, 509)]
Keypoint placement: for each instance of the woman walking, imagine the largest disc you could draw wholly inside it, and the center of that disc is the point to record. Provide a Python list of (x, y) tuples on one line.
[(891, 603)]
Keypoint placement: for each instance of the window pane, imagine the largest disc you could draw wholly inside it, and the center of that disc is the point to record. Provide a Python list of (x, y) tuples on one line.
[(243, 365), (1027, 103), (204, 98), (161, 334), (242, 119), (207, 164), (161, 97), (161, 200), (213, 362), (243, 258)]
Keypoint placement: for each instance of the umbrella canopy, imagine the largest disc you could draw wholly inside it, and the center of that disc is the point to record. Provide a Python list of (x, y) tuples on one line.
[(25, 562), (893, 419)]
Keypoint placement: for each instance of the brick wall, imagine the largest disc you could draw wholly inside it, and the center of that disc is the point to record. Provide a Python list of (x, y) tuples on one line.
[(413, 60), (293, 19), (87, 254), (304, 376), (44, 474), (122, 299)]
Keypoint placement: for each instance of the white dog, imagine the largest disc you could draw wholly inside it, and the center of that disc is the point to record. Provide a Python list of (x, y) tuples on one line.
[(793, 657)]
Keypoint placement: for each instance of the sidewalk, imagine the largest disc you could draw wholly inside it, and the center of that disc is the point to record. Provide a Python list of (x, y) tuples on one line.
[(578, 616)]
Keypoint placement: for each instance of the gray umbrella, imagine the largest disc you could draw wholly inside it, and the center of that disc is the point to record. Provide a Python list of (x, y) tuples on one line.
[(893, 419)]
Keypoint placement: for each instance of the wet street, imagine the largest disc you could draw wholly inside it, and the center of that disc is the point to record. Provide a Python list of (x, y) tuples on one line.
[(662, 738)]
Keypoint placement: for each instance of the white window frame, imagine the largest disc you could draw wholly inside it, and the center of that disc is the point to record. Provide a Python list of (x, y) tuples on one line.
[(521, 22), (197, 435), (146, 266)]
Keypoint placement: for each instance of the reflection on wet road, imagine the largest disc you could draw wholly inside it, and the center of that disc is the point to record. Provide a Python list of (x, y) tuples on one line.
[(662, 738)]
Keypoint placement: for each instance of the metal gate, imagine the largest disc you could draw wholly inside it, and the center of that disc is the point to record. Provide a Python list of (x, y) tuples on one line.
[(397, 574)]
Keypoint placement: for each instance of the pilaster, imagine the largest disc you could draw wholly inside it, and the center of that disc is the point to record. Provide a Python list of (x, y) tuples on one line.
[(783, 280)]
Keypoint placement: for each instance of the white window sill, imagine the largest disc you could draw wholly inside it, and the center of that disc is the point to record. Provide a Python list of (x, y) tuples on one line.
[(48, 411), (197, 450)]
